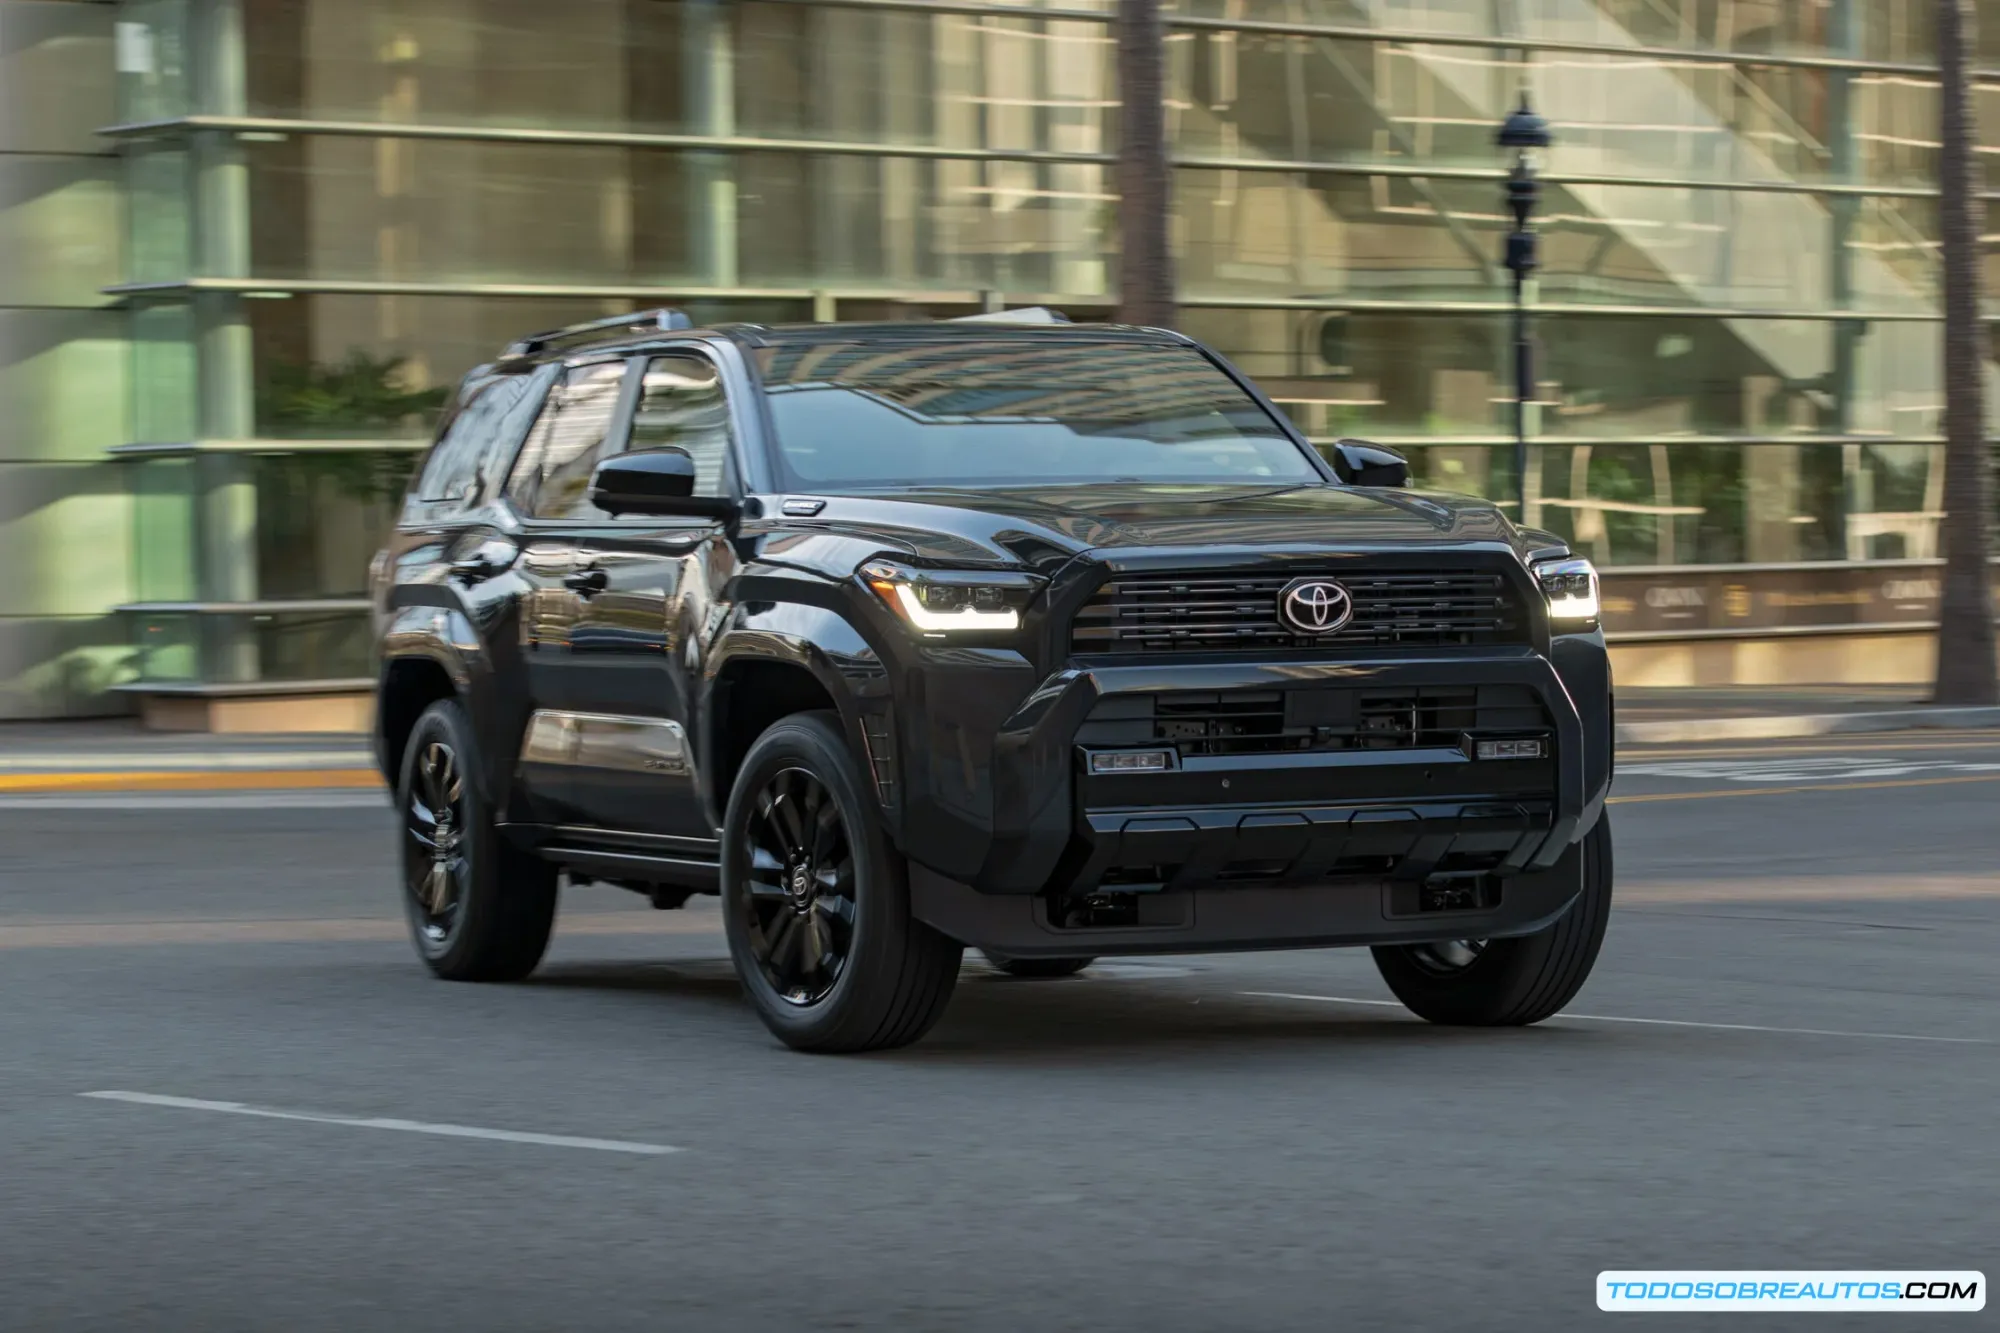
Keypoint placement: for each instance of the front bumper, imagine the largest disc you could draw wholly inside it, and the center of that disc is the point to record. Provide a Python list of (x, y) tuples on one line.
[(1349, 845), (1221, 918), (1041, 814)]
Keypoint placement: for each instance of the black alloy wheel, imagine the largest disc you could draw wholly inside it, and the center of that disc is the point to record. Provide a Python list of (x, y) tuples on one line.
[(816, 899), (434, 857), (800, 908), (479, 907)]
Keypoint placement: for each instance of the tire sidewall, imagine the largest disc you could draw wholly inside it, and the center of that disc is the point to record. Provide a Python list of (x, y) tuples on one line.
[(810, 741), (1494, 987)]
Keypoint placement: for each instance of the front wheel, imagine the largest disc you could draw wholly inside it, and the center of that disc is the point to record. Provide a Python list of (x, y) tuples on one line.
[(479, 908), (817, 903), (1509, 982)]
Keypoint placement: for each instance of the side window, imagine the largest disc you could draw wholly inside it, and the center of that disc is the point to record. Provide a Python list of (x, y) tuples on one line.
[(681, 406), (571, 437), (465, 467)]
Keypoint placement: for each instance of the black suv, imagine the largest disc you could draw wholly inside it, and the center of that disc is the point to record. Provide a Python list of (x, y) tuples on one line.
[(1052, 640)]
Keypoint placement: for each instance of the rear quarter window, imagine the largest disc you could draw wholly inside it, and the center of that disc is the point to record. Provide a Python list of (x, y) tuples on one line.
[(467, 466)]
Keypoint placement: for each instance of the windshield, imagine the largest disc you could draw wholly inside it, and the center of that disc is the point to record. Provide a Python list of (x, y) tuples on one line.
[(1010, 412)]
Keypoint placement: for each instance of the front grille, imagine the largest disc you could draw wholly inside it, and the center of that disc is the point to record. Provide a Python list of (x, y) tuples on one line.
[(1156, 613), (1306, 720)]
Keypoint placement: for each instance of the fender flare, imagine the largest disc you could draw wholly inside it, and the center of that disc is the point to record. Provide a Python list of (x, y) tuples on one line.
[(816, 639), (443, 636)]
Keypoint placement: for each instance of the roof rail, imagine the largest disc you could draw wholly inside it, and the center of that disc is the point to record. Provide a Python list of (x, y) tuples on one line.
[(664, 318), (1038, 314)]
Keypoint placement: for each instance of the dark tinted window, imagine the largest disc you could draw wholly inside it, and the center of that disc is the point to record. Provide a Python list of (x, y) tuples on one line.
[(681, 406), (1001, 412), (570, 438), (468, 464)]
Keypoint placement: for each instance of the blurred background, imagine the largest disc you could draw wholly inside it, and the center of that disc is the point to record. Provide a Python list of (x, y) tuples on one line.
[(247, 246)]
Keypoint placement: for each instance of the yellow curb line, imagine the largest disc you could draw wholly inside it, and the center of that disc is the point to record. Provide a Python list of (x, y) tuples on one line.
[(271, 779)]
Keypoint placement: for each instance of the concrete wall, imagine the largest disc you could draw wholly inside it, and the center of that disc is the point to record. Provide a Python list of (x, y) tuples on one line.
[(65, 516)]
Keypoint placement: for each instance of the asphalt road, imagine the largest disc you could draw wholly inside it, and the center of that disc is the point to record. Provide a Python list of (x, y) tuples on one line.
[(1788, 1057)]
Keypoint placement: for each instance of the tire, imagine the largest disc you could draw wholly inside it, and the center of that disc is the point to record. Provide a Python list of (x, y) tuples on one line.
[(817, 903), (1037, 967), (500, 904), (1509, 982)]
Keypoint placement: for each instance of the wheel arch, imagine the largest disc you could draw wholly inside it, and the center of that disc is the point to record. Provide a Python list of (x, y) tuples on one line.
[(763, 672), (428, 653), (409, 686)]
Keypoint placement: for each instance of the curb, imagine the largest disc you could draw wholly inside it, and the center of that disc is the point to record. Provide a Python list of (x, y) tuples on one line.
[(184, 780), (1799, 725), (44, 763)]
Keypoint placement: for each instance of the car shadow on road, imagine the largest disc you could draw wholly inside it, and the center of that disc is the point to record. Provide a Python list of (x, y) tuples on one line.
[(994, 1019)]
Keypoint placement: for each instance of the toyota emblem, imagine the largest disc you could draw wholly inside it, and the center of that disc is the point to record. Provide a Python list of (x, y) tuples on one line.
[(1315, 606)]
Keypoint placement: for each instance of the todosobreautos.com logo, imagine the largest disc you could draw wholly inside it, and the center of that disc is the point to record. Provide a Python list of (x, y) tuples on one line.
[(1902, 1291)]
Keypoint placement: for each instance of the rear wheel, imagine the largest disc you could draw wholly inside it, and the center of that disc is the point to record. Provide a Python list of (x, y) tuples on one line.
[(817, 905), (1509, 982), (1036, 967), (479, 908)]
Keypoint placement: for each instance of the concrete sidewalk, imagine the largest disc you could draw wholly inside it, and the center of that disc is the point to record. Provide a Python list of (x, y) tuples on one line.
[(1755, 712), (117, 755)]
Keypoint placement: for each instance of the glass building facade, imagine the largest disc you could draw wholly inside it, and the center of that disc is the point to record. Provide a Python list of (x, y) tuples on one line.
[(332, 208)]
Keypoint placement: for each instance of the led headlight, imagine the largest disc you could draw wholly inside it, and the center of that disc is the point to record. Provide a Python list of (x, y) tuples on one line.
[(1571, 587), (940, 602)]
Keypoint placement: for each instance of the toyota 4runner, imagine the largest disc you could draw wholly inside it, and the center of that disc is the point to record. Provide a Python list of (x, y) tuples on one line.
[(1055, 641)]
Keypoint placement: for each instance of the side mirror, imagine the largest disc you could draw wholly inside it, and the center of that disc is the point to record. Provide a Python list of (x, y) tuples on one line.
[(654, 481), (1359, 463)]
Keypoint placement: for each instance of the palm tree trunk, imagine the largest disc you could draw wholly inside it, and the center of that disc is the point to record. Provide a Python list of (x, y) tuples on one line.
[(1965, 666), (1145, 175)]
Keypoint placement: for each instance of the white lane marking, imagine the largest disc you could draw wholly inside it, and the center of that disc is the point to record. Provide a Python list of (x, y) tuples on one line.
[(1837, 768), (401, 1126), (1652, 1022), (331, 800)]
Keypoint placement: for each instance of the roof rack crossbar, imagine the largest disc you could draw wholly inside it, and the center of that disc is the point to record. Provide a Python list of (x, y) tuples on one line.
[(665, 318)]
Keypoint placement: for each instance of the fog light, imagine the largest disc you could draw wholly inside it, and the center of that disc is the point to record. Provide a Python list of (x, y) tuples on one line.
[(1132, 761), (1508, 750)]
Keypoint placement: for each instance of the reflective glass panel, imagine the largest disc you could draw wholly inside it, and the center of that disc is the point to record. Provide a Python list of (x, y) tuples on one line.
[(375, 367), (321, 516), (661, 66), (681, 406), (152, 61), (1018, 412)]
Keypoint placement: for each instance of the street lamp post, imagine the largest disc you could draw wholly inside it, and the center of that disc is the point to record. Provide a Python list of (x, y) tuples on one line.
[(1525, 133)]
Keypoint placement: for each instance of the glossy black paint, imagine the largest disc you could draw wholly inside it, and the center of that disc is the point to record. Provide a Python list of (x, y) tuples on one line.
[(659, 482), (1359, 463), (704, 619)]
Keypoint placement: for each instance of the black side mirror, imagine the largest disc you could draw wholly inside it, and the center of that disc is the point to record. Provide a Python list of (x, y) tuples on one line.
[(1359, 463), (654, 481)]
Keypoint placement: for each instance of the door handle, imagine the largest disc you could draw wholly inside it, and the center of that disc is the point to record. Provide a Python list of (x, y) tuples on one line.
[(588, 582), (493, 556)]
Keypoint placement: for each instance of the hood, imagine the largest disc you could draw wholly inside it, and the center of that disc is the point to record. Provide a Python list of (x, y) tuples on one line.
[(1046, 526)]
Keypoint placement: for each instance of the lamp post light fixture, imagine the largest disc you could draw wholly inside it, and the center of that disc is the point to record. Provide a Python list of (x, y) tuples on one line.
[(1526, 134)]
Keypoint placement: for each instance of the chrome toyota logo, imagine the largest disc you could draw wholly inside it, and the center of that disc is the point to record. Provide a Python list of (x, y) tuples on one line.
[(1315, 606)]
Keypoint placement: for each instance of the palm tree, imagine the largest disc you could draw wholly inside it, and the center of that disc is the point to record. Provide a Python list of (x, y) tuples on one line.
[(1965, 664), (1145, 174)]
